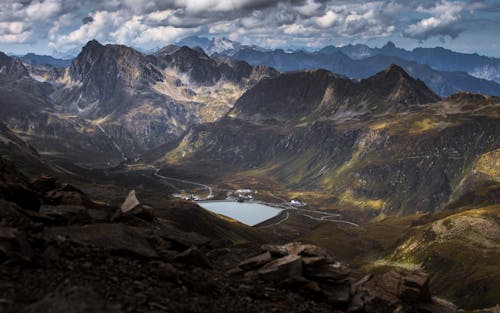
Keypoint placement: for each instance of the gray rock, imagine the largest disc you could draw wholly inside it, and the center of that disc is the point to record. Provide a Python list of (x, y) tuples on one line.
[(130, 203), (400, 286), (256, 261), (282, 268), (296, 248), (327, 272), (193, 256), (132, 207)]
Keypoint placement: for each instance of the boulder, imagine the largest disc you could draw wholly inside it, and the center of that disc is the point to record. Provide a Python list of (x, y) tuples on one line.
[(68, 195), (193, 256), (327, 272), (130, 203), (313, 251), (132, 207), (409, 287), (314, 261), (275, 250), (282, 268), (44, 184), (296, 248), (256, 261)]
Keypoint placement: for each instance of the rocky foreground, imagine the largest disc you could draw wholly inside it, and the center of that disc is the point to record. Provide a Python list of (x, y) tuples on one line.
[(60, 251)]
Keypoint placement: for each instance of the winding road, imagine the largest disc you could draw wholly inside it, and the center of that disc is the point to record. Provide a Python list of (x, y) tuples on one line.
[(302, 212), (209, 189)]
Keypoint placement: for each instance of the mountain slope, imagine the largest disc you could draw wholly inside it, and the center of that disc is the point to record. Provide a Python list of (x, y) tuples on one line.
[(381, 146), (27, 108), (143, 102)]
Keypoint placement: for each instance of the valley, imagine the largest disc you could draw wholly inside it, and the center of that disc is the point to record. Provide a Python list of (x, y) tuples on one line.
[(389, 175)]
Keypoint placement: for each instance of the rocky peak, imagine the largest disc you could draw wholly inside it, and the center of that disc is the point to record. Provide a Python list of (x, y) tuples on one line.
[(393, 72), (167, 50), (389, 45), (187, 53), (85, 60), (396, 87), (106, 68), (12, 68)]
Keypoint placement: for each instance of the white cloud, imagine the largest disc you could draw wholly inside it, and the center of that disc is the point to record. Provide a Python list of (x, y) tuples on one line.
[(446, 20), (310, 8), (12, 27), (327, 20), (43, 10), (98, 29), (16, 38), (160, 35), (150, 23)]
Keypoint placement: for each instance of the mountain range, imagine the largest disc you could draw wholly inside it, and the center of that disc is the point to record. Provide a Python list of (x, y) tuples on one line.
[(444, 71), (369, 161)]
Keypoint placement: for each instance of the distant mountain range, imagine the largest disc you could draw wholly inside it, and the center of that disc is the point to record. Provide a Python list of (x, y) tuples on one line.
[(35, 59), (444, 71), (217, 45)]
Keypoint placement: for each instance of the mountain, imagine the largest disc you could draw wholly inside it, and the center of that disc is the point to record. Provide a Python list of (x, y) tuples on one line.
[(438, 58), (355, 52), (113, 102), (211, 46), (11, 67), (459, 246), (378, 172), (385, 145), (27, 108), (35, 59), (366, 62), (216, 45)]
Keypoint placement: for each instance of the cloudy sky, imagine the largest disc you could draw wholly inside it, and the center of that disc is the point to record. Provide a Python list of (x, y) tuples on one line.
[(60, 26)]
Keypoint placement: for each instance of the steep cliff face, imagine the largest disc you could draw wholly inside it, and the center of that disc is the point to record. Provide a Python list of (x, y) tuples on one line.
[(383, 146)]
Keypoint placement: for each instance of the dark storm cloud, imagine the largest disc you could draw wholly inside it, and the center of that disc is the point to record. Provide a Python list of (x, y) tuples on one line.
[(87, 19)]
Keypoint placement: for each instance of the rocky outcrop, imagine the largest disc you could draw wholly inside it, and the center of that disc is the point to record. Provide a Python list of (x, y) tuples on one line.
[(312, 271), (57, 259), (132, 207)]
